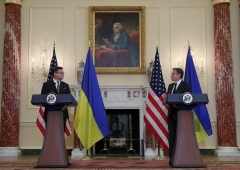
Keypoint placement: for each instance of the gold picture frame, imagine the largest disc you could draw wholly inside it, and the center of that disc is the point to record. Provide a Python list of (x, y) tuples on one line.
[(117, 39)]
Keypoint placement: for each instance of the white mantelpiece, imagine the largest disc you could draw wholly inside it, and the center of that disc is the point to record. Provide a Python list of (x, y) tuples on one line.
[(127, 97), (123, 97)]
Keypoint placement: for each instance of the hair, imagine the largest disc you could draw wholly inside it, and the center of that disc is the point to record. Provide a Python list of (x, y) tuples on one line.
[(55, 69), (121, 28), (179, 71)]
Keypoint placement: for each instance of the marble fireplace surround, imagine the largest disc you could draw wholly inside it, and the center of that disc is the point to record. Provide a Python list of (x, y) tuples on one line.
[(122, 97)]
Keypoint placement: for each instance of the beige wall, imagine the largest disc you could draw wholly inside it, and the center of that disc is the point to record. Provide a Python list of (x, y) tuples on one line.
[(170, 22)]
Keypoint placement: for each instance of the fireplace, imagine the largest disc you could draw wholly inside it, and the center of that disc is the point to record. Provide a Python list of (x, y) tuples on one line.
[(124, 137), (124, 101)]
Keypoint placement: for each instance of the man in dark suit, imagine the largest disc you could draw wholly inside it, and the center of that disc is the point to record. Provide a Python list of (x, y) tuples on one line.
[(179, 86), (56, 86)]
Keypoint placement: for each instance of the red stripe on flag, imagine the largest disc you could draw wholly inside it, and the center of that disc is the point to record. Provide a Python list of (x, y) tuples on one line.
[(67, 129), (156, 119), (158, 123), (40, 120), (158, 108), (164, 144)]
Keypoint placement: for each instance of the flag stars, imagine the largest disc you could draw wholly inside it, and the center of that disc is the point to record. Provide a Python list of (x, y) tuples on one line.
[(157, 82)]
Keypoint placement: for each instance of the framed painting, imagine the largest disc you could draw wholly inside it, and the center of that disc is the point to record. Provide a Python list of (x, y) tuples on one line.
[(117, 39)]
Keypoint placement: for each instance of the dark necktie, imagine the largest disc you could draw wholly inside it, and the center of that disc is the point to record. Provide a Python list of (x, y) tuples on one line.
[(58, 86), (175, 88)]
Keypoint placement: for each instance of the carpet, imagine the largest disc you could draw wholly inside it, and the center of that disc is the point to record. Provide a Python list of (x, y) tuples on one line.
[(121, 164)]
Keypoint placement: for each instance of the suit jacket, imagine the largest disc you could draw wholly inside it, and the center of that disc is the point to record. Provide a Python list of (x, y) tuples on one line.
[(182, 88), (49, 86)]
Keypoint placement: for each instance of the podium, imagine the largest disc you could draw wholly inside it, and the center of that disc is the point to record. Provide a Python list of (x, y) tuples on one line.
[(54, 153), (186, 152)]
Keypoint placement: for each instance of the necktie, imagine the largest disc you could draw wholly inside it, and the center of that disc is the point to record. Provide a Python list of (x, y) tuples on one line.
[(175, 88), (58, 86)]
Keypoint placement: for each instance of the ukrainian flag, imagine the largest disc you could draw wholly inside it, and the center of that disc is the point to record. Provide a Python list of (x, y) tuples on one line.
[(202, 122), (90, 121)]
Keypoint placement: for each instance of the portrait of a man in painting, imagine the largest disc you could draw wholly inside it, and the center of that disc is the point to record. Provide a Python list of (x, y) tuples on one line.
[(117, 39)]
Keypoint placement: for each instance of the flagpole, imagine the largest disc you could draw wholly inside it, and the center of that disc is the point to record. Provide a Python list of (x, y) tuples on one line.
[(158, 144), (87, 158), (159, 155)]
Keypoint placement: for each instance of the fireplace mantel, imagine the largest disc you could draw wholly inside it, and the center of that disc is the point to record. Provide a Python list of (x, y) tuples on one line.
[(123, 97)]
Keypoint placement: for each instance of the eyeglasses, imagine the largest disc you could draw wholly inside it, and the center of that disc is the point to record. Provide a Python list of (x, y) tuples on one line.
[(60, 72)]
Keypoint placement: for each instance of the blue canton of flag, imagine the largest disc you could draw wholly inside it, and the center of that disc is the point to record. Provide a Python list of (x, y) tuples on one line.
[(157, 83), (52, 65)]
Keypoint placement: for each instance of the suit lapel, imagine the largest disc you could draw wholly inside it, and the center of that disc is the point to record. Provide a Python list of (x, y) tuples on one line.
[(62, 86), (179, 87), (53, 86), (172, 87)]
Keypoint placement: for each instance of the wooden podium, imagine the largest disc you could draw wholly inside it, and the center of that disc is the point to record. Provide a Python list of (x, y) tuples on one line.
[(186, 152), (54, 153)]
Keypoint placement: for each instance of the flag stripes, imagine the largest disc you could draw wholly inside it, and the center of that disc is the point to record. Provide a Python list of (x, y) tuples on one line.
[(155, 117), (40, 120), (68, 128)]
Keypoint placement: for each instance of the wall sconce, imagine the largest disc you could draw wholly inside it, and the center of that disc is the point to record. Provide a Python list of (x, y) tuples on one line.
[(200, 69), (38, 66), (179, 63)]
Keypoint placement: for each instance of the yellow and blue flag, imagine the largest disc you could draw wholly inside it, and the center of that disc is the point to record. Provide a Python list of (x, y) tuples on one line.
[(202, 122), (90, 121)]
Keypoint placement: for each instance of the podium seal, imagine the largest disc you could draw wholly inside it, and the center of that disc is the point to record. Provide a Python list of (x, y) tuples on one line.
[(187, 98), (51, 98)]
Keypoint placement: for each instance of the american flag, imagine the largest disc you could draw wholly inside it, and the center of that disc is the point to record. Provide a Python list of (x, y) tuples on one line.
[(155, 117), (40, 119)]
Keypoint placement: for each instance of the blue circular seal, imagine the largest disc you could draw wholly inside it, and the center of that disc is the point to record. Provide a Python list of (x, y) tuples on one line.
[(51, 98), (187, 98)]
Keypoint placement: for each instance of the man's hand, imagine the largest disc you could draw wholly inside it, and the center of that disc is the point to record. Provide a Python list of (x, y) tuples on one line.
[(118, 36), (110, 45), (164, 101)]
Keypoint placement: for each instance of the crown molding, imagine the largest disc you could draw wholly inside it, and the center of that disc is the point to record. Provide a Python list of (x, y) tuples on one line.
[(18, 2), (220, 1)]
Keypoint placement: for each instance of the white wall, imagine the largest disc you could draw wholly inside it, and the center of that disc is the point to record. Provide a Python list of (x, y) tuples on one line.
[(170, 22)]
